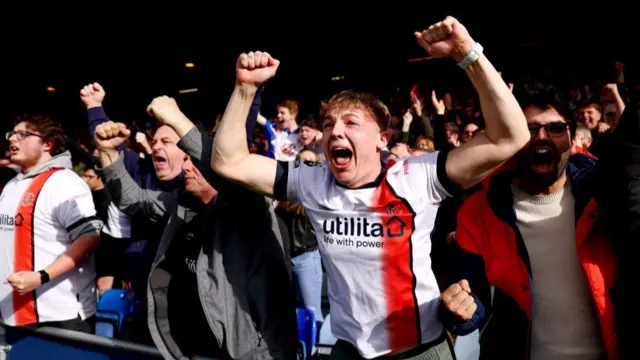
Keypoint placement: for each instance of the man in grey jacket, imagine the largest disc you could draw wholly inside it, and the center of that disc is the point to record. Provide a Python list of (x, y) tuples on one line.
[(217, 287)]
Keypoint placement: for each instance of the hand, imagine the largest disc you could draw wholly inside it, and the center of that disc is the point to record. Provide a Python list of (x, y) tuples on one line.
[(110, 135), (24, 281), (92, 95), (141, 138), (457, 299), (603, 127), (438, 104), (613, 87), (400, 150), (451, 237), (448, 38), (255, 68), (407, 118), (166, 110), (417, 105)]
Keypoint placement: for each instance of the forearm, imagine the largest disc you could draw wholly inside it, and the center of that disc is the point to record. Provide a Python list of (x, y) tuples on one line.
[(428, 128), (127, 195), (182, 126), (230, 144), (505, 123), (78, 251)]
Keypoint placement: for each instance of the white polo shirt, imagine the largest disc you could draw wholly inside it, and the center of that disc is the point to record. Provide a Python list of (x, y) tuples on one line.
[(63, 212)]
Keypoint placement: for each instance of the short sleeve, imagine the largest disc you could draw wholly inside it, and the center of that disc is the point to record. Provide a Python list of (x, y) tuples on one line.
[(294, 177), (73, 207), (428, 173)]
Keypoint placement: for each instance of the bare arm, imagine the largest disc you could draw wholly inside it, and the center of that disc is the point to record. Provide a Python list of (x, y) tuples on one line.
[(78, 251), (231, 158), (230, 155), (506, 129)]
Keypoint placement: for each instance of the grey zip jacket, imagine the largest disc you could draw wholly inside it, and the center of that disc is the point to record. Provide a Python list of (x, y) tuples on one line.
[(243, 283)]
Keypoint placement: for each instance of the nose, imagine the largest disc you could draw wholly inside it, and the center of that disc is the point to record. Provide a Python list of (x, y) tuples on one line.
[(337, 131), (541, 134), (156, 145)]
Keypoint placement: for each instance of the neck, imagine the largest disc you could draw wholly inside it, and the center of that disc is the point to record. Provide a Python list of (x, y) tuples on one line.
[(98, 187), (534, 189), (43, 158), (371, 177)]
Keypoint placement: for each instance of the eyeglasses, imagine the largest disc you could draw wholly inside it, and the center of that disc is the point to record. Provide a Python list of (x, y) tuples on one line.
[(21, 134), (555, 129)]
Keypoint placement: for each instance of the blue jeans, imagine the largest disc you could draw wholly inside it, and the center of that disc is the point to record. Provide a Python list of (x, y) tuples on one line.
[(307, 276)]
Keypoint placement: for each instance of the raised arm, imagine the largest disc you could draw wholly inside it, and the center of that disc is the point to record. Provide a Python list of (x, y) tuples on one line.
[(506, 128), (92, 96), (195, 143), (230, 155), (123, 190)]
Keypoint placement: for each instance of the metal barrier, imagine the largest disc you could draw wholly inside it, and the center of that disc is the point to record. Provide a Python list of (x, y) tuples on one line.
[(19, 343)]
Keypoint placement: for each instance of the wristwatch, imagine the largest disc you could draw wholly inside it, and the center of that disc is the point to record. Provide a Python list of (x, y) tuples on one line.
[(44, 277)]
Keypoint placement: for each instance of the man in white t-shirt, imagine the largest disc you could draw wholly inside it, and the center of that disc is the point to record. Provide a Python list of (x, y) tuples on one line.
[(373, 223), (48, 230)]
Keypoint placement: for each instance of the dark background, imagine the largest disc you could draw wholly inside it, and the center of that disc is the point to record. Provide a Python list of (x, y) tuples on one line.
[(137, 56)]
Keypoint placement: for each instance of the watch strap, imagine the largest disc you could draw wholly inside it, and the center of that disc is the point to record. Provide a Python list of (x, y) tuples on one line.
[(44, 277), (472, 56)]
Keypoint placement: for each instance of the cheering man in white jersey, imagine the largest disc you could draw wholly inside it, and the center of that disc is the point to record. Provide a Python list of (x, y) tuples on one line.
[(373, 224), (48, 231)]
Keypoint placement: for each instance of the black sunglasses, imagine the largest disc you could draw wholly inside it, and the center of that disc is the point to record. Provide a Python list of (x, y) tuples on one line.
[(556, 128)]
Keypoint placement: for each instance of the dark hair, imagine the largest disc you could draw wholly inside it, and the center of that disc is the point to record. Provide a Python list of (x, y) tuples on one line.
[(546, 98), (50, 130)]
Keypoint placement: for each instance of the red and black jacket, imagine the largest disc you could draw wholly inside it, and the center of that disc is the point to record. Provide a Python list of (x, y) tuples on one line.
[(493, 253)]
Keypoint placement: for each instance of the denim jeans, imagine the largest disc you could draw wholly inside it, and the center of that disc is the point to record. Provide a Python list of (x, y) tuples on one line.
[(468, 347), (307, 276)]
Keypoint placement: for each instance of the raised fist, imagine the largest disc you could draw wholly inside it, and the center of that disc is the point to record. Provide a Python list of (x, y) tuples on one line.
[(254, 68), (92, 95), (457, 299), (448, 38), (110, 135), (165, 110)]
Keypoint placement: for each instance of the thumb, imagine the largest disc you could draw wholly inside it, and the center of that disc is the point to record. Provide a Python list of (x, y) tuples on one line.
[(273, 62), (464, 284), (97, 87)]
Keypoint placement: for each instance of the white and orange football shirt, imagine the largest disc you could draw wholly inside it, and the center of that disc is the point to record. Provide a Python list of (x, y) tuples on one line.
[(375, 243)]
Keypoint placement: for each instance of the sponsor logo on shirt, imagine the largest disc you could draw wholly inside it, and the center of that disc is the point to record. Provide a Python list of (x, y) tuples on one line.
[(8, 222), (362, 232)]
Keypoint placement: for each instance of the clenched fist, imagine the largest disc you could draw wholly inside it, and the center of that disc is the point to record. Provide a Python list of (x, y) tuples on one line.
[(24, 281), (92, 95), (166, 110), (458, 300), (448, 38), (110, 135), (254, 68)]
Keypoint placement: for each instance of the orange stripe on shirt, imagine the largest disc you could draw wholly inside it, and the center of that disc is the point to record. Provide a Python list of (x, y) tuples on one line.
[(403, 316), (24, 306)]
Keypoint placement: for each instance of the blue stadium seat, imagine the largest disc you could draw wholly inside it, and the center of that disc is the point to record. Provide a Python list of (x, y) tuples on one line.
[(114, 307), (307, 330)]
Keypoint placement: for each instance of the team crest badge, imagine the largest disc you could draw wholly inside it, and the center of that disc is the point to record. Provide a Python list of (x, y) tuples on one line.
[(391, 209), (27, 199)]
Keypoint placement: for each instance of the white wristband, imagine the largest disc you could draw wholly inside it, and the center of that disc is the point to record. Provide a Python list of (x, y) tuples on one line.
[(472, 56)]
